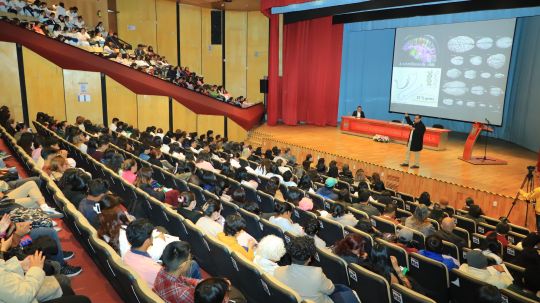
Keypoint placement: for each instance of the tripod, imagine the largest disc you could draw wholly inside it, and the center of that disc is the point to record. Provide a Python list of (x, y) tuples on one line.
[(528, 185)]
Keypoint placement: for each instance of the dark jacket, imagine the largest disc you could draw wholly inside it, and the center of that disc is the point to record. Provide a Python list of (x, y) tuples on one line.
[(159, 195), (452, 238), (417, 140), (362, 115)]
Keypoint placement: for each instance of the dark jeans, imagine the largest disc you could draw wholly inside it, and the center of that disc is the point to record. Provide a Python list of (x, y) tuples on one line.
[(343, 294), (50, 232), (538, 221), (194, 271)]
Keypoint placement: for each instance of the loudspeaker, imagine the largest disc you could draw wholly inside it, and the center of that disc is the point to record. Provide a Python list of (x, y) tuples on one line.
[(215, 26), (263, 85)]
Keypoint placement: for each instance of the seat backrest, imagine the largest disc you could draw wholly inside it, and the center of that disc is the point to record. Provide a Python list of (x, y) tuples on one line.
[(512, 297), (252, 224), (358, 214), (251, 193), (511, 252), (483, 228), (490, 220), (228, 208), (410, 206), (333, 266), (515, 271), (467, 289), (224, 264), (369, 286), (318, 201), (402, 213), (369, 242), (104, 256), (519, 229), (251, 283), (330, 231), (463, 233), (477, 240), (301, 216), (271, 229), (432, 275), (199, 196), (465, 223), (383, 225), (199, 247), (266, 203), (514, 237), (279, 292), (402, 294), (452, 250), (405, 197), (399, 252)]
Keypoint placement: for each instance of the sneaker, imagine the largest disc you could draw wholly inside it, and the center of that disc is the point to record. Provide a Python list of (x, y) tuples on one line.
[(54, 224), (68, 254), (51, 212), (404, 164), (58, 229), (70, 271)]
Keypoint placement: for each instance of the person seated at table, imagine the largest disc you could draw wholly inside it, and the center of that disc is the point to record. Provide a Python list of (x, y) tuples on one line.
[(359, 113)]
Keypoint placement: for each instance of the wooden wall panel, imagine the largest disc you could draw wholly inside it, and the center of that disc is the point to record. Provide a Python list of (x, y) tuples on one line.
[(257, 54), (190, 37), (153, 110), (44, 86), (9, 80), (93, 110), (183, 118), (235, 52), (235, 132), (207, 122), (210, 54), (166, 30), (89, 11), (140, 14), (121, 103)]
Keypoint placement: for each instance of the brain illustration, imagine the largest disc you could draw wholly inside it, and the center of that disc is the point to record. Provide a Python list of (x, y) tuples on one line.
[(504, 42), (461, 44), (422, 49), (496, 61), (455, 88), (457, 60), (484, 43), (476, 60), (453, 73), (470, 74)]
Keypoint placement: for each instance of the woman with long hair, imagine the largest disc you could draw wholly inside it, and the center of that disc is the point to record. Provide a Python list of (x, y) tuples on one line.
[(145, 182), (351, 249), (387, 266), (111, 219)]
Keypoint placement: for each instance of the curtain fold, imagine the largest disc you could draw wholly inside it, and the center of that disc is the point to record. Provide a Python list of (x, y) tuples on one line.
[(311, 73)]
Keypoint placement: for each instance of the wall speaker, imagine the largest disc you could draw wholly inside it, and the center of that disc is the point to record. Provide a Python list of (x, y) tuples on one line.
[(215, 26), (263, 86)]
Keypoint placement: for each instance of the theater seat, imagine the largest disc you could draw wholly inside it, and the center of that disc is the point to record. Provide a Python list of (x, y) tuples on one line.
[(468, 287), (199, 247), (271, 229), (251, 282), (367, 237), (330, 231), (452, 250), (253, 226), (465, 223), (333, 266), (399, 252), (224, 265), (133, 286), (369, 286), (278, 292), (228, 208), (199, 196), (432, 275), (401, 294), (512, 297), (383, 225), (266, 203), (301, 216)]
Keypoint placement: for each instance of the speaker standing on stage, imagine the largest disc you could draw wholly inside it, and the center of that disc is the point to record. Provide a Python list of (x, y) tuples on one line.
[(358, 113), (416, 140)]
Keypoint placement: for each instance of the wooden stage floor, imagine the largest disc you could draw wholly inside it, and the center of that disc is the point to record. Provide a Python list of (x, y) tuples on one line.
[(440, 165), (441, 173)]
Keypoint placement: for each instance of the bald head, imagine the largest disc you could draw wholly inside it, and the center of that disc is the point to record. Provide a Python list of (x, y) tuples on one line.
[(443, 202), (448, 224)]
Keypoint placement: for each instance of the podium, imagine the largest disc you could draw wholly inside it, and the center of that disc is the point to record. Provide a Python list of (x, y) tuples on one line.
[(467, 156)]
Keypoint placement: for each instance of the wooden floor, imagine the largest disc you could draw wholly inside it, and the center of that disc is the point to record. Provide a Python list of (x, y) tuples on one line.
[(501, 182)]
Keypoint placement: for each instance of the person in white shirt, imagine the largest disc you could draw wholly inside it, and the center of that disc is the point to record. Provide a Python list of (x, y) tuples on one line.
[(212, 221), (112, 126), (176, 152), (287, 179), (79, 22), (60, 9), (83, 38), (477, 266), (269, 251), (338, 213), (283, 219)]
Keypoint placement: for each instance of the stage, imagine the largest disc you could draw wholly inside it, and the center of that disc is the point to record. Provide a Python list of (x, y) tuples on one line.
[(441, 172)]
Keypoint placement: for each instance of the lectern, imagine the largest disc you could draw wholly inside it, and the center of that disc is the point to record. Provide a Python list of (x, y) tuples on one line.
[(467, 156)]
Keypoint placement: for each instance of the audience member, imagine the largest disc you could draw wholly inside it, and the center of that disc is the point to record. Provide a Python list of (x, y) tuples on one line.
[(434, 250), (211, 222), (363, 205), (387, 266), (187, 205), (446, 232), (340, 214), (477, 266), (89, 206), (268, 253), (234, 225), (282, 218), (489, 294), (475, 213), (419, 221), (311, 228), (351, 249)]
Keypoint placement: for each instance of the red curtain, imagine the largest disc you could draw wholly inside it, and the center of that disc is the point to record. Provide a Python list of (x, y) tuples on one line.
[(273, 105), (311, 73)]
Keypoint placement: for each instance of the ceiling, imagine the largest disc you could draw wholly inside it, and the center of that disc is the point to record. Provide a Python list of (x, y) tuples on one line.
[(235, 5)]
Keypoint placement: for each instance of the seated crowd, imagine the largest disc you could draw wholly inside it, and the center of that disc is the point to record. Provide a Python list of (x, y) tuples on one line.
[(165, 262), (66, 25)]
